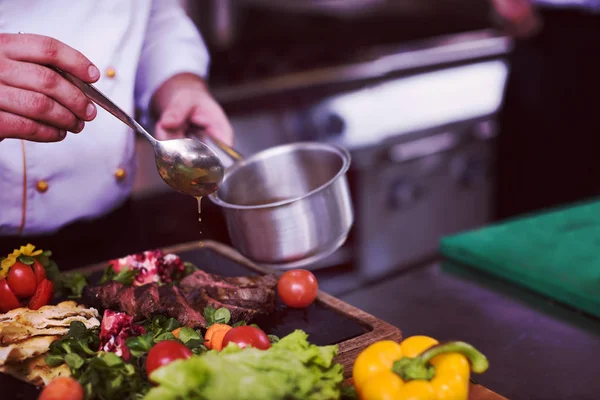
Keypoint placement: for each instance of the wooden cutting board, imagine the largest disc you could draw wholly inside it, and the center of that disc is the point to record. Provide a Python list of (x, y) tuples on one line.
[(327, 321)]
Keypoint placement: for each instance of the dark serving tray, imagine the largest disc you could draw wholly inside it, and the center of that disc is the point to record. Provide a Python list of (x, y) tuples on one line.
[(327, 321)]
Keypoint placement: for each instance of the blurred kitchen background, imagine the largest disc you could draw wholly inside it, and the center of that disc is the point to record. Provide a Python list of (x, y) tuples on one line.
[(411, 88)]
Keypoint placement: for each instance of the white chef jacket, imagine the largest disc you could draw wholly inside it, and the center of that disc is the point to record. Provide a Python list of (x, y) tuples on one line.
[(137, 45)]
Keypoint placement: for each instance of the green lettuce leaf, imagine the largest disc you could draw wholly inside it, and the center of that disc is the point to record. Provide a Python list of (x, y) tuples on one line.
[(291, 369)]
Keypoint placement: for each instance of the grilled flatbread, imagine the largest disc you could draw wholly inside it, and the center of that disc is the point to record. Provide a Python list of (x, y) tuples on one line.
[(21, 351), (22, 323), (35, 371), (41, 317)]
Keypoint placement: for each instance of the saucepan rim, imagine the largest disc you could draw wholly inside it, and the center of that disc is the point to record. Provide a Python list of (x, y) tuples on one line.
[(281, 149)]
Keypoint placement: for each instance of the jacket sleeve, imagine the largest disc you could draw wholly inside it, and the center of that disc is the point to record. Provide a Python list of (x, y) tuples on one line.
[(172, 45)]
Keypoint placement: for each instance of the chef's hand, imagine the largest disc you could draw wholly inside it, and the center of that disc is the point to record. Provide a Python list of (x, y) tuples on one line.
[(519, 17), (184, 103), (36, 103)]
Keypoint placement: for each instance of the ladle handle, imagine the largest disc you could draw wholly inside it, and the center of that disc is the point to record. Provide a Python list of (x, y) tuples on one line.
[(99, 98)]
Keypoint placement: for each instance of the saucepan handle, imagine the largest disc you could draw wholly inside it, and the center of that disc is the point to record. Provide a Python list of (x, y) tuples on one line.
[(212, 141)]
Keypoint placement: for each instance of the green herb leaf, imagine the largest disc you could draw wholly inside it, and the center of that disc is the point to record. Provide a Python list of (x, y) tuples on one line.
[(26, 259), (126, 276), (74, 282), (197, 346), (111, 360), (108, 274), (239, 323), (189, 268), (164, 336), (54, 360), (213, 316), (138, 345), (209, 315), (273, 338), (74, 361), (186, 334), (171, 325), (47, 253), (222, 316)]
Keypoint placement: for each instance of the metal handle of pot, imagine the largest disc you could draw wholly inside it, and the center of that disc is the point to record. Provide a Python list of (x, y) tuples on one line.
[(210, 140), (230, 151)]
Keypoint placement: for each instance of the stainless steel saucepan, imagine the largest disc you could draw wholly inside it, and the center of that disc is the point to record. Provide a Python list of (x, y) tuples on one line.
[(287, 206)]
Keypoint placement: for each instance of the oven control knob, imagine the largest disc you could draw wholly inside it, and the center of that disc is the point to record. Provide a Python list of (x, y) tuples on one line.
[(402, 194), (334, 125)]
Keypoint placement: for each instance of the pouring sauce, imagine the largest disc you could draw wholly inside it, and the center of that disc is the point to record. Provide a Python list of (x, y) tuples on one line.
[(199, 199)]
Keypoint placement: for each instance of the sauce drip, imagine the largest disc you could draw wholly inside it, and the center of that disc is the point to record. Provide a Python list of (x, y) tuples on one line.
[(199, 198)]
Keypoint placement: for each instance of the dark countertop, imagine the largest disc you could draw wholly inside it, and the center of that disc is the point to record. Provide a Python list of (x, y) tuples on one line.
[(537, 349)]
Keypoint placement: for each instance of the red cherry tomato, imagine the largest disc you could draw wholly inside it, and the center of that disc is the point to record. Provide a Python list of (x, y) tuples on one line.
[(42, 295), (62, 388), (245, 336), (21, 280), (164, 353), (39, 271), (297, 288), (8, 300)]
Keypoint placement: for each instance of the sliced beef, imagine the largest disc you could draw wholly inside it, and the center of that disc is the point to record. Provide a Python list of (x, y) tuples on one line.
[(258, 298), (173, 304), (143, 302), (147, 299), (244, 297), (105, 298), (199, 299), (204, 279)]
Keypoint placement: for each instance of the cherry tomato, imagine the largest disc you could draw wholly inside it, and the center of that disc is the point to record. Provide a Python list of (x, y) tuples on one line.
[(39, 271), (8, 300), (42, 295), (298, 288), (245, 336), (62, 388), (21, 280), (164, 353)]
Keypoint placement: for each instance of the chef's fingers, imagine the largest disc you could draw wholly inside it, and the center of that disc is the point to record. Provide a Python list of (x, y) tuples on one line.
[(48, 51), (215, 123), (38, 107), (173, 122), (40, 79), (18, 127)]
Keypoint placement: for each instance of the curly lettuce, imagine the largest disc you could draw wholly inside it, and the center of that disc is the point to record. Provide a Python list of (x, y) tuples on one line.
[(292, 368)]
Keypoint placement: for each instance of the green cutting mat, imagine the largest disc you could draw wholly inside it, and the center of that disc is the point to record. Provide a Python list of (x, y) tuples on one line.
[(556, 253)]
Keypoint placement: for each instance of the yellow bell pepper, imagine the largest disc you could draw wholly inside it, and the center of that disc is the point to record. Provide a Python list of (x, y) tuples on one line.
[(419, 368)]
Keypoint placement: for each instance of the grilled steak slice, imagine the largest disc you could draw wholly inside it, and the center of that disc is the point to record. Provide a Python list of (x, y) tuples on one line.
[(143, 302), (199, 299), (105, 298), (173, 304), (256, 298), (245, 296), (147, 299), (204, 279)]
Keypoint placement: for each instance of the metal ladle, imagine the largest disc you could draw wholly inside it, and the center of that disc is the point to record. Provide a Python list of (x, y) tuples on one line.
[(187, 165)]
